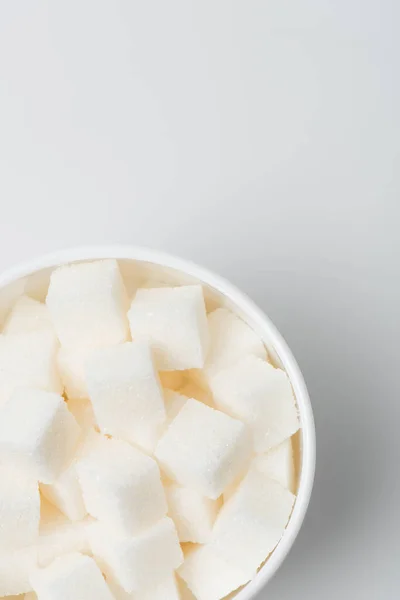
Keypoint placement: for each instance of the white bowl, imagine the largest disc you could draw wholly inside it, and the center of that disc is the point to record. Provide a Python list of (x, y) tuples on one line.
[(141, 263)]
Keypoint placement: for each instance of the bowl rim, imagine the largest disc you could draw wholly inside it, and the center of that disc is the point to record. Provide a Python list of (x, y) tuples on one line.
[(263, 322)]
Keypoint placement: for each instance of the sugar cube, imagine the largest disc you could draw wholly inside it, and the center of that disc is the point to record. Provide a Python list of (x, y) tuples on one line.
[(278, 464), (192, 513), (174, 322), (136, 563), (58, 535), (19, 510), (27, 315), (28, 359), (208, 576), (260, 395), (15, 569), (126, 394), (71, 577), (88, 304), (204, 449), (121, 486), (38, 433), (251, 523), (172, 380), (71, 365), (230, 340)]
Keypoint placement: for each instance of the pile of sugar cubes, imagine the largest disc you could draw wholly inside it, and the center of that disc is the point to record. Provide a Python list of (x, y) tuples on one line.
[(145, 445)]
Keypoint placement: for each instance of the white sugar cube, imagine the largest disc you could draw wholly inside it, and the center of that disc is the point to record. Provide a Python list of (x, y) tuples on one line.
[(260, 395), (251, 523), (38, 433), (168, 589), (28, 315), (88, 304), (208, 576), (28, 359), (174, 322), (71, 577), (126, 394), (15, 569), (71, 365), (121, 486), (192, 513), (58, 535), (204, 449), (19, 510), (172, 380), (278, 464), (135, 563), (230, 340)]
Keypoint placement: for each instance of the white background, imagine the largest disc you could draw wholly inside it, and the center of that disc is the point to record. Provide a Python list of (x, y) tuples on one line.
[(260, 138)]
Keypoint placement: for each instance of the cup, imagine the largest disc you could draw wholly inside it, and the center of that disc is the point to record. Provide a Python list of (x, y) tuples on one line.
[(139, 265)]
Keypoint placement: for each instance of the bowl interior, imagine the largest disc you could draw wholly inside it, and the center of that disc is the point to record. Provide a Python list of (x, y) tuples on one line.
[(136, 273)]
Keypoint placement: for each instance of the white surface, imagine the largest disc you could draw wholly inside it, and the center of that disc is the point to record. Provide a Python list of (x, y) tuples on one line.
[(260, 139)]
